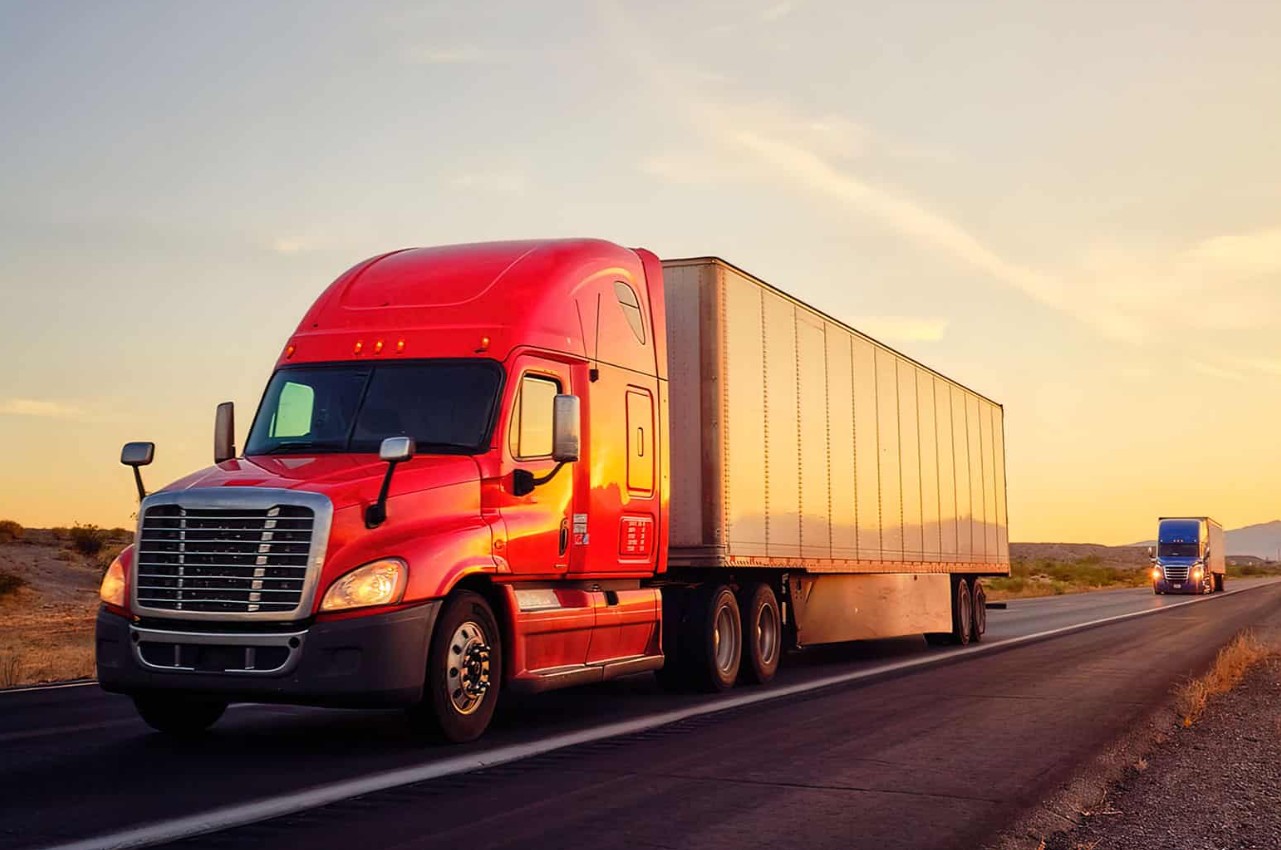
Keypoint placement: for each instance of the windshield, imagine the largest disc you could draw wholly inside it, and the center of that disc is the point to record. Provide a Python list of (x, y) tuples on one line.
[(1178, 550), (446, 406)]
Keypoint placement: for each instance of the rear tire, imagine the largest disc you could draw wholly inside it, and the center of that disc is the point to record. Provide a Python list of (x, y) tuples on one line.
[(464, 670), (762, 633), (962, 613), (712, 641), (180, 716), (978, 619)]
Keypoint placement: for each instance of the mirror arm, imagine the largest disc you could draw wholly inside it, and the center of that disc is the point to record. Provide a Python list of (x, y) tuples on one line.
[(538, 482), (137, 479), (376, 514)]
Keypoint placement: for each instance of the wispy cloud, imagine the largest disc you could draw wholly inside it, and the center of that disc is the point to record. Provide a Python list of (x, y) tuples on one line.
[(500, 182), (778, 11), (902, 328), (1255, 252), (454, 55), (37, 407), (290, 245)]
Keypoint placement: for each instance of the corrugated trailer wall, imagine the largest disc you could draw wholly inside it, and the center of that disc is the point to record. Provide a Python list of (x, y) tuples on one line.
[(799, 442)]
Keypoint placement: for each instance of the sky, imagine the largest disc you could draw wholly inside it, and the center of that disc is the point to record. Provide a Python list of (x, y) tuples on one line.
[(1074, 209)]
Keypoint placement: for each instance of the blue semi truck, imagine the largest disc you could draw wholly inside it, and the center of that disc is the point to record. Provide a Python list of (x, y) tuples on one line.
[(1189, 556)]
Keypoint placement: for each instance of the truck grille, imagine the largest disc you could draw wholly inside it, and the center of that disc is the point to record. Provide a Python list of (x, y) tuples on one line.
[(1176, 573), (232, 560)]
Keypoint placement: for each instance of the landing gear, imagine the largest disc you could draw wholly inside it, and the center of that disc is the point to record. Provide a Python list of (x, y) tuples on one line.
[(464, 670), (180, 716)]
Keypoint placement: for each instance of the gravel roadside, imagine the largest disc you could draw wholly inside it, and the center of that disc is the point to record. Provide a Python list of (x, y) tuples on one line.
[(1214, 785)]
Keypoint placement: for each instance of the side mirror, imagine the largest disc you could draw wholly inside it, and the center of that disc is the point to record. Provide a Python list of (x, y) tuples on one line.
[(396, 449), (1151, 553), (225, 432), (393, 450), (137, 455), (566, 428)]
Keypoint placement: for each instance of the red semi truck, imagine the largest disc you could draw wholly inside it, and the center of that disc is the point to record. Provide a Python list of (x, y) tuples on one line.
[(529, 465)]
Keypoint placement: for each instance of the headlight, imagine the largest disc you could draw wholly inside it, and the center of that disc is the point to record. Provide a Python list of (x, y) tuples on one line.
[(112, 590), (1197, 573), (380, 583), (1156, 573)]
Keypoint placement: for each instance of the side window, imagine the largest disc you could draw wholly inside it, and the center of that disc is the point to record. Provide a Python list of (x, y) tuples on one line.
[(293, 413), (631, 309), (531, 428)]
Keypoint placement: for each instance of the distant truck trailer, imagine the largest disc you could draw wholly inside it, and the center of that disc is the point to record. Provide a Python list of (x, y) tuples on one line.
[(532, 465), (1189, 556)]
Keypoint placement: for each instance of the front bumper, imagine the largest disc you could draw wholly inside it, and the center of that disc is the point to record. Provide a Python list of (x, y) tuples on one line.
[(1179, 587), (362, 662)]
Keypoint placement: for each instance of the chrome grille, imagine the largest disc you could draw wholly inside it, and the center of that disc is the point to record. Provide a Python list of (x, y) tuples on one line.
[(232, 560), (1173, 573)]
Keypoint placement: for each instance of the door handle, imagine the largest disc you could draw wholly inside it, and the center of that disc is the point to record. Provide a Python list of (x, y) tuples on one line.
[(564, 535)]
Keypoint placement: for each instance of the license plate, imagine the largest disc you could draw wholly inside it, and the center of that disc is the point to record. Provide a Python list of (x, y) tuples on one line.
[(1178, 586)]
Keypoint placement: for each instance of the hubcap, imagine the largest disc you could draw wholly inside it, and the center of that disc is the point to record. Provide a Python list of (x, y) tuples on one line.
[(724, 639), (767, 633), (467, 668)]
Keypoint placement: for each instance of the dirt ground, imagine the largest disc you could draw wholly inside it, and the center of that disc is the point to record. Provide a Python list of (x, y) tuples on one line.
[(46, 627)]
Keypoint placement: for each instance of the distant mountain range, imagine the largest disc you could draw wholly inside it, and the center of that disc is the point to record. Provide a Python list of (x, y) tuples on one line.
[(1261, 541)]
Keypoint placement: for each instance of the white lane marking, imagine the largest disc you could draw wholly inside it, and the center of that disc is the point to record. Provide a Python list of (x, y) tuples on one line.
[(54, 687), (242, 814)]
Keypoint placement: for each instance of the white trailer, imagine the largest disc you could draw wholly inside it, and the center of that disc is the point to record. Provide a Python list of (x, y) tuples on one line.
[(871, 486)]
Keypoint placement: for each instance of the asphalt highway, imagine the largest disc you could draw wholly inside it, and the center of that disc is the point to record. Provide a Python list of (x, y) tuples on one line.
[(931, 748)]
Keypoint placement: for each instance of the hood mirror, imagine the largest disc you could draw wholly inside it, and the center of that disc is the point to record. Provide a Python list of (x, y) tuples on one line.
[(225, 432), (395, 451), (137, 455)]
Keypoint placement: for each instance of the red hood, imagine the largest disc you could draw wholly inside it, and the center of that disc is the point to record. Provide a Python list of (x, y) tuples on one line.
[(345, 478)]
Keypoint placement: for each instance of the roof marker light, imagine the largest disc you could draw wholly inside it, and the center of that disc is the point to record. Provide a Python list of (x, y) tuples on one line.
[(378, 347), (359, 346), (484, 344), (289, 350), (400, 346)]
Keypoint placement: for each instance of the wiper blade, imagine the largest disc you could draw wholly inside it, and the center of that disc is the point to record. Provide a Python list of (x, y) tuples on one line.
[(298, 447)]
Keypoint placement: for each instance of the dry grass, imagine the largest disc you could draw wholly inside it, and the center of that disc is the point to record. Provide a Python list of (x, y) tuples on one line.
[(1230, 667)]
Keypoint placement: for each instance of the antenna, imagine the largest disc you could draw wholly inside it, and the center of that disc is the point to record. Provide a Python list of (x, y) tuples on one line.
[(593, 373)]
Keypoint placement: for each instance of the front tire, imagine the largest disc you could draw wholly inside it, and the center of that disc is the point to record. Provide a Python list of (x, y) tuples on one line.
[(182, 717), (762, 633), (464, 670)]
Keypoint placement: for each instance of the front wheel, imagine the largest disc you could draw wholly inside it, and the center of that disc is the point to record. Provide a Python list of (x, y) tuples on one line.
[(464, 670), (180, 716)]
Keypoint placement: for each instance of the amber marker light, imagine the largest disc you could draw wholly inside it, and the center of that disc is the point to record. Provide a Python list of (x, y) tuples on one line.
[(378, 347), (359, 346), (400, 346), (484, 344), (289, 350)]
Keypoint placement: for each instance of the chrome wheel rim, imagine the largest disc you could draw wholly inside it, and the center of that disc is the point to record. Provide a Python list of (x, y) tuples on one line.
[(467, 668), (967, 615), (767, 633), (725, 639)]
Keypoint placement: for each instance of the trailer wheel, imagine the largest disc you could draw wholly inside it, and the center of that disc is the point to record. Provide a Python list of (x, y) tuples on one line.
[(180, 716), (713, 638), (762, 633), (464, 670), (962, 614), (978, 622)]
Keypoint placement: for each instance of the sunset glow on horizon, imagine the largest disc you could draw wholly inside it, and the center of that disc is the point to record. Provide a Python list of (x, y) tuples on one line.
[(1072, 210)]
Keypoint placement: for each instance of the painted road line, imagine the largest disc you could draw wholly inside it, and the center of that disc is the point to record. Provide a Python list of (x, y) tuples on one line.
[(57, 686), (242, 814)]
